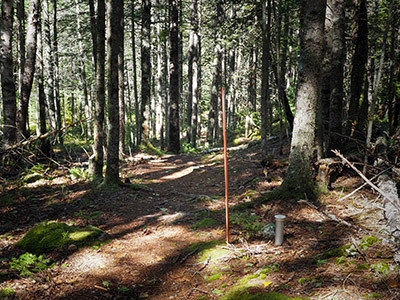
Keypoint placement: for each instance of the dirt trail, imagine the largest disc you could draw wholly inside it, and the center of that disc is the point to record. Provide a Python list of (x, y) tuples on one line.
[(157, 237)]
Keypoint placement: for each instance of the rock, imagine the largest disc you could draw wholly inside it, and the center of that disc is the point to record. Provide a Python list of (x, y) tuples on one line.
[(268, 231)]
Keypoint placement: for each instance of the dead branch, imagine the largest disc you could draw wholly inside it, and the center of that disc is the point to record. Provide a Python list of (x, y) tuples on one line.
[(361, 186), (43, 136), (380, 191)]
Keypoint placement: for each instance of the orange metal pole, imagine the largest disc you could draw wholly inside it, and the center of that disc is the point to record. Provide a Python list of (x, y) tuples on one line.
[(225, 167)]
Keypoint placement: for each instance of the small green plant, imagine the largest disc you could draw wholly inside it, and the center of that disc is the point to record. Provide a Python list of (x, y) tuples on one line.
[(79, 173), (187, 148), (381, 268), (6, 292), (28, 263), (247, 221), (368, 241)]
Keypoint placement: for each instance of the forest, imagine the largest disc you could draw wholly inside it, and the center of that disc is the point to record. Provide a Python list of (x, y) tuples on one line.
[(151, 149)]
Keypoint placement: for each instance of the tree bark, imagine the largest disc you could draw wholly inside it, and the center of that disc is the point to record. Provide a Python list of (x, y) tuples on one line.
[(114, 40), (6, 72), (82, 70), (121, 80), (49, 67), (56, 73), (359, 62), (45, 146), (174, 94), (337, 78), (299, 181), (145, 66), (96, 161), (266, 110), (29, 69)]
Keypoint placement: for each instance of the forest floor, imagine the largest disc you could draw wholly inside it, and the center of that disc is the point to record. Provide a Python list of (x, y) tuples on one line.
[(167, 239)]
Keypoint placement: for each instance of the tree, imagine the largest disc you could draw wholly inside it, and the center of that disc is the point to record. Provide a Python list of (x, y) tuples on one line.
[(114, 40), (96, 161), (6, 73), (266, 110), (174, 92), (29, 68), (145, 62), (337, 77), (359, 62), (299, 181)]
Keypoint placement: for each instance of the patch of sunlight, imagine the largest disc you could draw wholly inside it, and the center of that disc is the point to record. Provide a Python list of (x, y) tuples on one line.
[(38, 183), (91, 262), (79, 235), (171, 218), (177, 174)]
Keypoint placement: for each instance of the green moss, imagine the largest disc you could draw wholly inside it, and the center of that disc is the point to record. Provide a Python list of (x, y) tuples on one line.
[(204, 223), (45, 237), (213, 277), (241, 293), (346, 250), (213, 253), (150, 149)]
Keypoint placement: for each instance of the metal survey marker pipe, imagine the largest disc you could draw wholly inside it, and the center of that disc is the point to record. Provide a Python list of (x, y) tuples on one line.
[(279, 220)]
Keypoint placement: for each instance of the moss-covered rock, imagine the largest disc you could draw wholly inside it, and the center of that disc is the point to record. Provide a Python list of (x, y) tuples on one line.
[(46, 237)]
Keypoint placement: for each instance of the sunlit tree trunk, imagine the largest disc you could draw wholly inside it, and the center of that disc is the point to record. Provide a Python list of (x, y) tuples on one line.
[(21, 42), (299, 180), (82, 70), (6, 73), (56, 73), (135, 88), (174, 94), (29, 68), (44, 143), (49, 66)]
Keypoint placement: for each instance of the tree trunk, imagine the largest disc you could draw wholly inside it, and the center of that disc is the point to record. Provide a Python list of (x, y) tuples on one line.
[(29, 69), (21, 16), (135, 88), (121, 80), (44, 143), (266, 115), (56, 73), (325, 94), (299, 181), (6, 72), (160, 102), (82, 70), (96, 161), (174, 95), (49, 67), (337, 78), (145, 66), (114, 41), (359, 62)]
